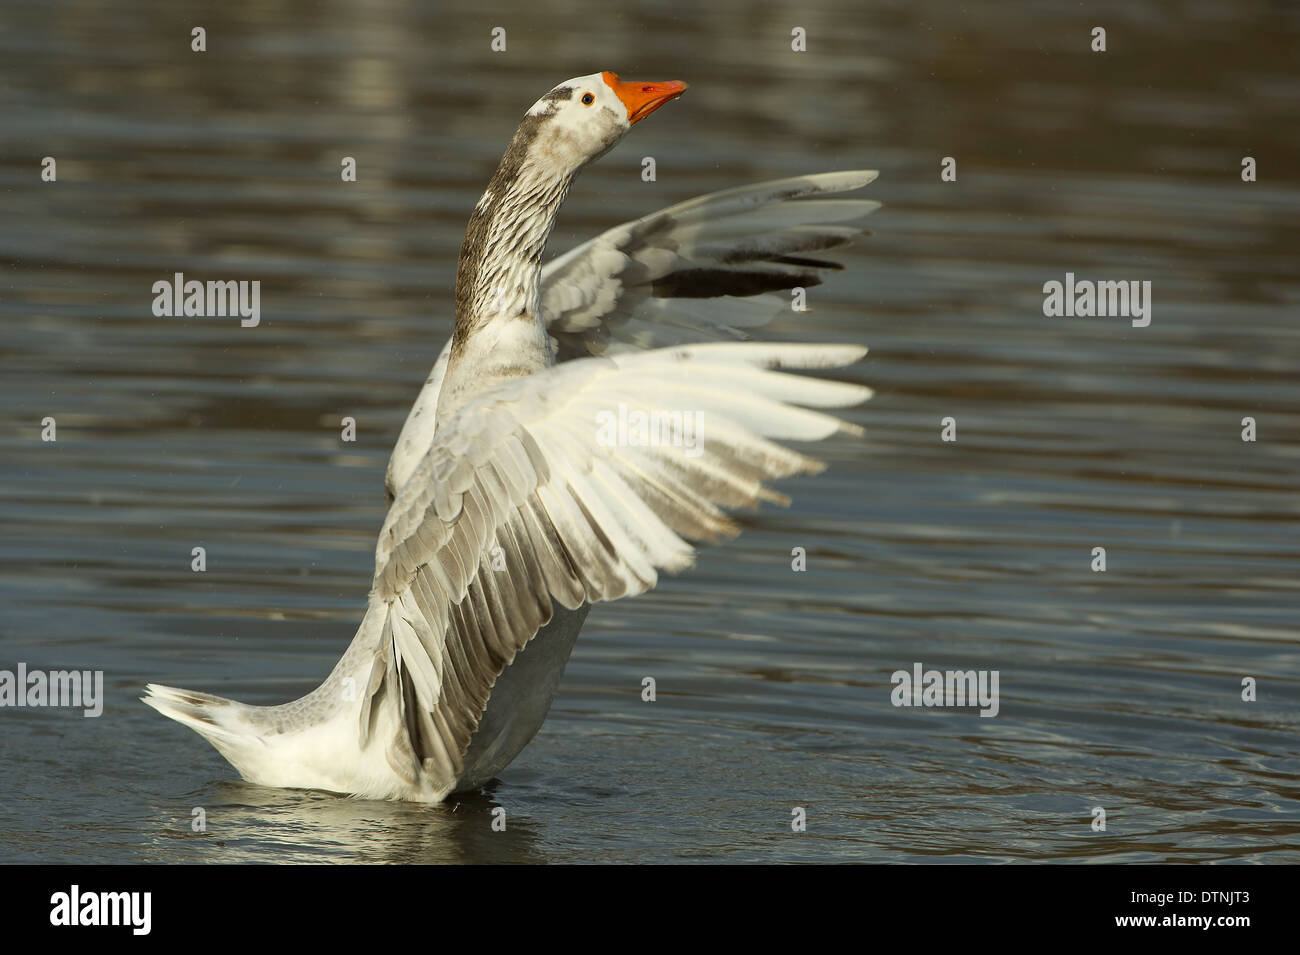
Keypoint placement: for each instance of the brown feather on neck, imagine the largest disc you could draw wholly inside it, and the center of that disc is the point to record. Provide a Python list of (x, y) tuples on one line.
[(502, 226)]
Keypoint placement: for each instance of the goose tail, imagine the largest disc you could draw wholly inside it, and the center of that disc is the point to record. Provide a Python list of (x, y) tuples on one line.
[(218, 720)]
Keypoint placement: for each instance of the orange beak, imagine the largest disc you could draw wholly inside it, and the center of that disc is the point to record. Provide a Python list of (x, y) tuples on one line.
[(642, 99)]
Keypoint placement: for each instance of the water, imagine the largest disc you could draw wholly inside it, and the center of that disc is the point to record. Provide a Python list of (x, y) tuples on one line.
[(1120, 690)]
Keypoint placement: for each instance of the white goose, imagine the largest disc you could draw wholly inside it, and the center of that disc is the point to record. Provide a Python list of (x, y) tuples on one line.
[(513, 507)]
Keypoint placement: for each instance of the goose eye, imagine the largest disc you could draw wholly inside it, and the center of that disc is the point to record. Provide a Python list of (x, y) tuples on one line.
[(588, 99)]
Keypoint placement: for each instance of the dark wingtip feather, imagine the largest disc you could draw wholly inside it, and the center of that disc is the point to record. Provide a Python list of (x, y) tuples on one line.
[(712, 282)]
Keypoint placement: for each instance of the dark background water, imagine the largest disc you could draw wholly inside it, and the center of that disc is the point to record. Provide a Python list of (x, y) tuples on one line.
[(1119, 690)]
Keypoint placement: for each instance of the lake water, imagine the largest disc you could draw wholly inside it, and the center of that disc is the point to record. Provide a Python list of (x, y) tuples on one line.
[(1120, 690)]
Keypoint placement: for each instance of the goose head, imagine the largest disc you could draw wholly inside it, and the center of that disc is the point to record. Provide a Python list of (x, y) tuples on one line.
[(583, 118), (499, 331)]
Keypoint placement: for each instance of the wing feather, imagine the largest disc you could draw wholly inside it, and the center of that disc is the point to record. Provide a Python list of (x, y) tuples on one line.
[(521, 501), (703, 270)]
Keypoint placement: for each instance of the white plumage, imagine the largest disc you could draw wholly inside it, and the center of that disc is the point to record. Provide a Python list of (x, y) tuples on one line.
[(514, 510)]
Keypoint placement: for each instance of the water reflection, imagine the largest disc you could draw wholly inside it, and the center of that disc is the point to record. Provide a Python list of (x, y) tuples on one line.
[(248, 823)]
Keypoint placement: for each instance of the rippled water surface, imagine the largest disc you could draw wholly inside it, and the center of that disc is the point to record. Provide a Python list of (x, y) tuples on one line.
[(1119, 689)]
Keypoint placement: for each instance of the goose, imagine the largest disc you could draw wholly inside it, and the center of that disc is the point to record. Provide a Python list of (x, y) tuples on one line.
[(584, 427)]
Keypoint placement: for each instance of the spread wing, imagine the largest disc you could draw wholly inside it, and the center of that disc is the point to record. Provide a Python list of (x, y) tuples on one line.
[(702, 270), (553, 487), (641, 284)]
